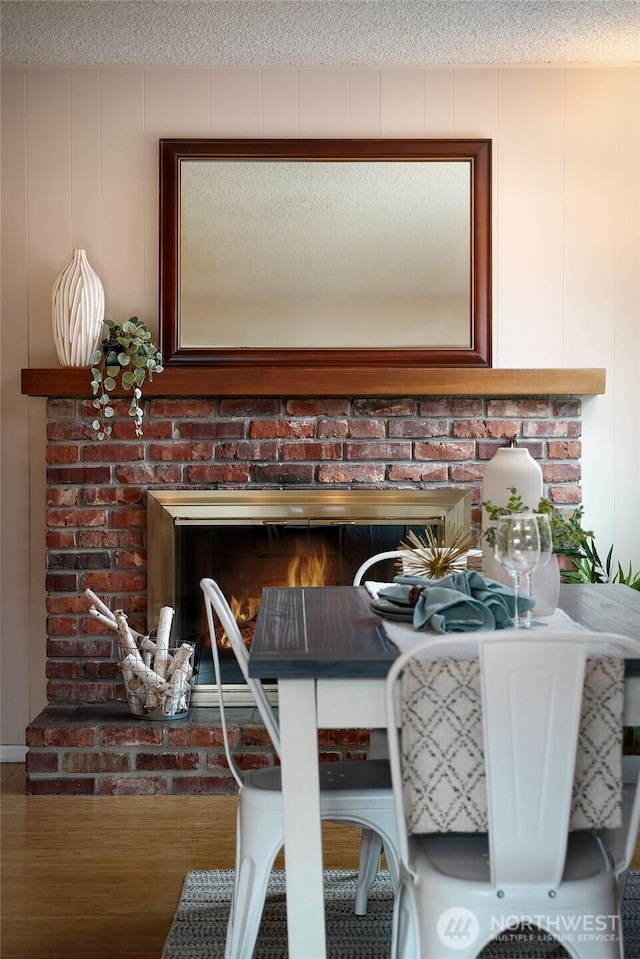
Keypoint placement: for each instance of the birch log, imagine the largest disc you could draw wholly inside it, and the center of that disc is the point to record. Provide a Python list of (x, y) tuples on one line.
[(126, 637), (104, 615), (148, 676), (136, 693), (100, 606), (176, 697), (180, 657), (162, 640)]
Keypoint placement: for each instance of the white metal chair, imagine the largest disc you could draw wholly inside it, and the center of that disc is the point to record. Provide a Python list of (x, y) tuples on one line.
[(370, 842), (374, 560), (464, 889), (352, 793)]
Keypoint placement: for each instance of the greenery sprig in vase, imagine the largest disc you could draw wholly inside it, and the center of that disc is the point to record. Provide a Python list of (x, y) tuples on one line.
[(127, 354), (566, 527), (569, 539)]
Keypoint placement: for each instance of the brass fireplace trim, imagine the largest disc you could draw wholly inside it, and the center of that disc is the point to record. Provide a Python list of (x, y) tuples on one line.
[(169, 508)]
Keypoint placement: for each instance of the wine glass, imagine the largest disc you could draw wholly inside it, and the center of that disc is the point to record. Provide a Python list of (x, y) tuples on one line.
[(546, 551), (517, 549)]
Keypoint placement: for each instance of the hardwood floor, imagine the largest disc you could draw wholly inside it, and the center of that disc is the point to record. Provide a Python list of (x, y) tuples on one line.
[(101, 877), (98, 878)]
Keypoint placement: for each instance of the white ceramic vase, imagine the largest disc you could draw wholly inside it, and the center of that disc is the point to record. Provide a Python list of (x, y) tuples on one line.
[(545, 588), (77, 311), (510, 466)]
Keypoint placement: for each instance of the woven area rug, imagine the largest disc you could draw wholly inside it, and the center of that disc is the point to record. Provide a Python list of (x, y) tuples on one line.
[(200, 924)]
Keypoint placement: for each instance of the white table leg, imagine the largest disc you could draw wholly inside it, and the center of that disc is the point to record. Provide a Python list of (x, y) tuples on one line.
[(302, 828)]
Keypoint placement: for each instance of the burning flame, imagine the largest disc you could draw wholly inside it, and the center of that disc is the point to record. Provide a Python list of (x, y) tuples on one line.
[(302, 571), (244, 609), (307, 570)]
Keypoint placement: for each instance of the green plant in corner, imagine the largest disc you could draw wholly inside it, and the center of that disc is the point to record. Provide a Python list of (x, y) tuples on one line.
[(127, 354), (589, 568)]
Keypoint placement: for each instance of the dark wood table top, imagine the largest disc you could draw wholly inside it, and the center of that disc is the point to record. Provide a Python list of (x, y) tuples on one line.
[(330, 631)]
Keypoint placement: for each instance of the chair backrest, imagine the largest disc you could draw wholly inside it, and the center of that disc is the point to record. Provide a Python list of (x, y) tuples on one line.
[(217, 605), (531, 701), (531, 692), (376, 558)]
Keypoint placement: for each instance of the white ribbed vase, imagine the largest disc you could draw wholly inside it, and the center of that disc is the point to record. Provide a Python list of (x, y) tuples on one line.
[(510, 466), (77, 311)]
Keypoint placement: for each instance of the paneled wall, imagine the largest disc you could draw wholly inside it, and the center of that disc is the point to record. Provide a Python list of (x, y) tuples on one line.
[(80, 169)]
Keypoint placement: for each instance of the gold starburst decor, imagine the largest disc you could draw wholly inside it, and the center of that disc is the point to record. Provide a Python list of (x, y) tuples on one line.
[(427, 557)]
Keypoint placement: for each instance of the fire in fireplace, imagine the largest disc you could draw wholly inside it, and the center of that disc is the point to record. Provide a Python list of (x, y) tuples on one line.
[(247, 540)]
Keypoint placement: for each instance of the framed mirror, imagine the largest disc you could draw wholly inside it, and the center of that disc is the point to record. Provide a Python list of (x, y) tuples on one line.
[(307, 254)]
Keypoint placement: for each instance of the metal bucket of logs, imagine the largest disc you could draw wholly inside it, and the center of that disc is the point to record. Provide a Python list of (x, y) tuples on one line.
[(158, 683), (156, 672)]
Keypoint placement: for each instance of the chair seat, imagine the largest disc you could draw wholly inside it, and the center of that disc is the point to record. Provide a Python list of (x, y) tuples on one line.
[(348, 776), (466, 856)]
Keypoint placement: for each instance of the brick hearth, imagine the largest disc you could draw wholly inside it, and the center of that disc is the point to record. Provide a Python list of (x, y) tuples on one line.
[(100, 750), (96, 538)]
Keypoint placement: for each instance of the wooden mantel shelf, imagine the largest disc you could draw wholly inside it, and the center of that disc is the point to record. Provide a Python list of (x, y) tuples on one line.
[(182, 381)]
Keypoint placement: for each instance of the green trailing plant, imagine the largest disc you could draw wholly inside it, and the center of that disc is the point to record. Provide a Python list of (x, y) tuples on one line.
[(127, 354)]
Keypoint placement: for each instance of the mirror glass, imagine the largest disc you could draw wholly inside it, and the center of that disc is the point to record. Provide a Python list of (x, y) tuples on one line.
[(307, 254), (325, 251)]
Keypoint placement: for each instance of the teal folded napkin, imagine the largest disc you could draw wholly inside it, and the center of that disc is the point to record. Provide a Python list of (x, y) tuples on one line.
[(458, 603)]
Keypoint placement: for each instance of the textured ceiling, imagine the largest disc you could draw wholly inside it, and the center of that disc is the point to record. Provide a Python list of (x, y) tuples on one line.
[(321, 32)]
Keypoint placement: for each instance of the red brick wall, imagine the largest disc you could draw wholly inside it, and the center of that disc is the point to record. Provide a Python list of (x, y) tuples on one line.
[(96, 517)]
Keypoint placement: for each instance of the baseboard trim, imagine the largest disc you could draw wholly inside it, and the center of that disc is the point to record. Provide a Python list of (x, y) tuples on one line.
[(13, 754)]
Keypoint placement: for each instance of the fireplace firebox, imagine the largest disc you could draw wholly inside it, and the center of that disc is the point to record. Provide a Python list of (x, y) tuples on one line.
[(249, 540)]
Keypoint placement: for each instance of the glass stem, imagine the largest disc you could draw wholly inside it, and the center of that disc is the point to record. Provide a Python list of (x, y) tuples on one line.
[(517, 622), (527, 619)]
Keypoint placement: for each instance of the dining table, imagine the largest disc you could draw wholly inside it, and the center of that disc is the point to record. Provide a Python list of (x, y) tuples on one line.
[(330, 653)]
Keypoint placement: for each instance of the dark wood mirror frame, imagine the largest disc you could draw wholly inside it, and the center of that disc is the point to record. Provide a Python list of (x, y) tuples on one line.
[(250, 360)]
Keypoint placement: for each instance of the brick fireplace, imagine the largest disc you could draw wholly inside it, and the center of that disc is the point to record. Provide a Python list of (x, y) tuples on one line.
[(85, 741)]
